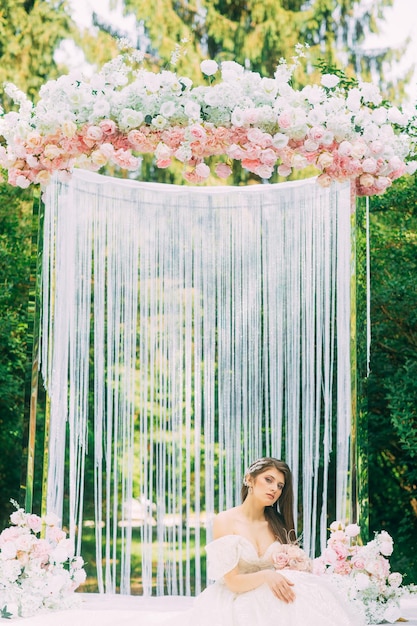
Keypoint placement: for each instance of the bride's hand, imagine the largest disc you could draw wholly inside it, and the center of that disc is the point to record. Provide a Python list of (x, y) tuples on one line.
[(280, 586)]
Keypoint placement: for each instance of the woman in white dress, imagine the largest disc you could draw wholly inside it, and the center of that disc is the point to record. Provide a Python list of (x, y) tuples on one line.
[(249, 590)]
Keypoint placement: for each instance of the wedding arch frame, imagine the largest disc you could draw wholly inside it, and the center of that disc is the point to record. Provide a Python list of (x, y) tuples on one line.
[(356, 484)]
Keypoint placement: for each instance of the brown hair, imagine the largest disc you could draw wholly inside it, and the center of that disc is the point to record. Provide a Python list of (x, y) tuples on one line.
[(280, 515)]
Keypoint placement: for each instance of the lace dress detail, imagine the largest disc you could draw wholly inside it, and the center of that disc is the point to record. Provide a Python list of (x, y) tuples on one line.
[(317, 603)]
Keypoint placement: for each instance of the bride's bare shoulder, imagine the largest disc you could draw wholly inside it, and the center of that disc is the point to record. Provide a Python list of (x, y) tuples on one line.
[(225, 522)]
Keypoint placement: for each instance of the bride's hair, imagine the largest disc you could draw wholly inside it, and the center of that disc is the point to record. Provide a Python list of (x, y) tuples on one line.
[(280, 515)]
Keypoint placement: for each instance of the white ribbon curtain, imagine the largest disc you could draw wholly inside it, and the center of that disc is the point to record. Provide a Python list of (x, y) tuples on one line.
[(186, 332)]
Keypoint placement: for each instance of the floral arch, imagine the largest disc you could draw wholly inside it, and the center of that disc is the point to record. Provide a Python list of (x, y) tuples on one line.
[(358, 145)]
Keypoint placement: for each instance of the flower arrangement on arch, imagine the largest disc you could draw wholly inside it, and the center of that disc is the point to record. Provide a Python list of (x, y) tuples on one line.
[(343, 129), (363, 572), (38, 568)]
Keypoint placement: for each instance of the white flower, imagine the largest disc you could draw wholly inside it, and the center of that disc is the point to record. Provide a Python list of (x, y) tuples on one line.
[(130, 119), (168, 109), (392, 613), (395, 579), (329, 80), (370, 93), (231, 70), (192, 110), (160, 122), (209, 67), (51, 519), (280, 140)]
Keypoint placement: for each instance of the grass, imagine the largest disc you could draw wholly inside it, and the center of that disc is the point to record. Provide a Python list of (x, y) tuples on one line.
[(89, 554)]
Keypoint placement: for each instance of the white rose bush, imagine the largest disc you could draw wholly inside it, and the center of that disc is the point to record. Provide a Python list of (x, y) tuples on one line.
[(362, 572), (38, 568), (341, 129)]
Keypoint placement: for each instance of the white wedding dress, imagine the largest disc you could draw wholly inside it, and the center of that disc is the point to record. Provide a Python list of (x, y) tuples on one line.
[(317, 603)]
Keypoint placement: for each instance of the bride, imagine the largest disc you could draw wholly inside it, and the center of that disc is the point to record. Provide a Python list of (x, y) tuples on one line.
[(245, 557)]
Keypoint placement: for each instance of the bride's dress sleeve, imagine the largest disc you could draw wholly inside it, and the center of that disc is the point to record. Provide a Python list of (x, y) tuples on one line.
[(222, 556)]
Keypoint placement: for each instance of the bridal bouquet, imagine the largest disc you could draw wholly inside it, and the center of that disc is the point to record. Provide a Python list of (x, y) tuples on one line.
[(363, 572), (291, 556), (36, 573)]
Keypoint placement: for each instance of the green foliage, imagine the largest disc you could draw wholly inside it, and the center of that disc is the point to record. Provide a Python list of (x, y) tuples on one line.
[(392, 389), (258, 34), (29, 35), (15, 229)]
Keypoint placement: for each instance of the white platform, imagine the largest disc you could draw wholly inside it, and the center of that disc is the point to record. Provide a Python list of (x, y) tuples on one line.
[(111, 610)]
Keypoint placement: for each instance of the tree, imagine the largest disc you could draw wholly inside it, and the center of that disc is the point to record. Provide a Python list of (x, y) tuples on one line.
[(392, 389), (258, 34), (14, 266), (30, 31)]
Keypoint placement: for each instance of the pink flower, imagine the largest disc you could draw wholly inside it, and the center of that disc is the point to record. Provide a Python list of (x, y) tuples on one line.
[(268, 157), (264, 171), (34, 522), (284, 119), (257, 136), (202, 170), (197, 132), (108, 127), (280, 560), (358, 562), (324, 160), (94, 133), (125, 159), (284, 170), (223, 170), (352, 530), (366, 180)]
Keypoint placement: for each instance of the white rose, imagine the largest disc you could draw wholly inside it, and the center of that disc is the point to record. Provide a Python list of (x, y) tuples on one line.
[(329, 80), (130, 118), (209, 67), (395, 579)]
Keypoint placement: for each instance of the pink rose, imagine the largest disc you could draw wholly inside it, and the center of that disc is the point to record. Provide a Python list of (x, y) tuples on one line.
[(358, 562), (108, 127), (202, 170), (268, 157), (34, 522), (316, 133), (366, 180), (125, 159), (280, 560), (258, 137), (284, 170), (284, 119), (264, 171), (197, 132), (223, 170), (94, 133)]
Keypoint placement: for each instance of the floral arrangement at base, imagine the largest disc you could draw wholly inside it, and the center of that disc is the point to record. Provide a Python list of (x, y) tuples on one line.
[(362, 572), (37, 573), (341, 127)]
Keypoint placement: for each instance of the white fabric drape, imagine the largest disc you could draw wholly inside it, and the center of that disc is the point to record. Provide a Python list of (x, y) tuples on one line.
[(186, 332)]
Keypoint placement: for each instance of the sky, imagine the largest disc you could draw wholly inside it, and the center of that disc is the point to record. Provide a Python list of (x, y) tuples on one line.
[(400, 23)]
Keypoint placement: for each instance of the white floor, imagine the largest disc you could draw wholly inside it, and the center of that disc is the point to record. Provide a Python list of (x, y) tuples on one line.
[(108, 610)]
